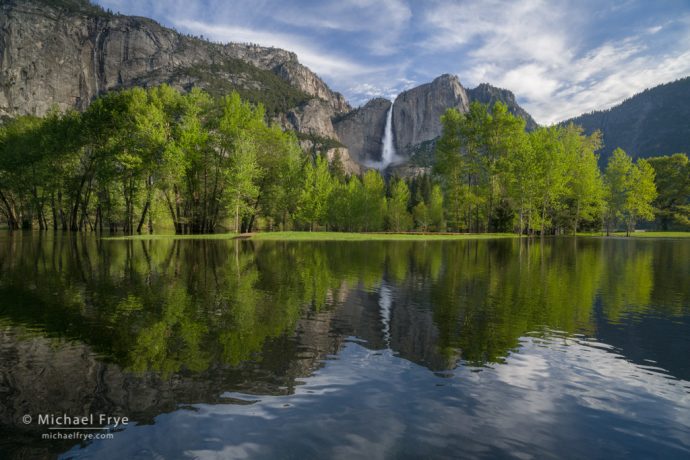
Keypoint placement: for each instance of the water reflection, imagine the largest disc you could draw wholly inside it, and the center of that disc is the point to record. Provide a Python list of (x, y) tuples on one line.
[(139, 328)]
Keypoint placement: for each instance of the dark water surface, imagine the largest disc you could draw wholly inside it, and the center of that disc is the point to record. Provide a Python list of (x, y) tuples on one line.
[(566, 348)]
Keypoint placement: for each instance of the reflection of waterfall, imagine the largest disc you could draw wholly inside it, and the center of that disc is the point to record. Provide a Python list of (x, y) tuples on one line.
[(385, 303), (388, 154)]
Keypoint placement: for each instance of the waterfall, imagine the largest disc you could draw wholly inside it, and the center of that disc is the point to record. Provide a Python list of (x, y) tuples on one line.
[(388, 154), (95, 63)]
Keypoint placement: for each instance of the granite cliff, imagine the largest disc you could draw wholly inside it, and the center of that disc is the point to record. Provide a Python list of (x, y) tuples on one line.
[(65, 53), (417, 112), (362, 130)]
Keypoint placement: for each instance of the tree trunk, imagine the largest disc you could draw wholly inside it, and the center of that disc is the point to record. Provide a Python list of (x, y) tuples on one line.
[(171, 209), (61, 211), (237, 216), (143, 215)]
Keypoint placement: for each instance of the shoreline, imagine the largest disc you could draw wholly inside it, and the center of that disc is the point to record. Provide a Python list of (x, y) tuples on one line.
[(379, 236)]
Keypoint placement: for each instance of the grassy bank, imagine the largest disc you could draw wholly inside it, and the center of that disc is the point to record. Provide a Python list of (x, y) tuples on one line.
[(656, 234), (642, 234), (321, 236), (172, 236), (343, 236)]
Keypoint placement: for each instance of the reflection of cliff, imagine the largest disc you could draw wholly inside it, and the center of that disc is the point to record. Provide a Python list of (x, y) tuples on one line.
[(40, 375), (413, 334)]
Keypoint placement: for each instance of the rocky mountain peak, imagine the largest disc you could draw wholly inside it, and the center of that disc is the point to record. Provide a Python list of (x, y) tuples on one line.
[(488, 94), (417, 112)]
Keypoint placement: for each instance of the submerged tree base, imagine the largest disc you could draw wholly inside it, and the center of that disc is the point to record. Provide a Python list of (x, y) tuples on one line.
[(637, 234), (382, 236), (324, 236)]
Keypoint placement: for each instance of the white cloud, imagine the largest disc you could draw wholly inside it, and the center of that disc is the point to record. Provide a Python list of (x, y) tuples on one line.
[(322, 62), (379, 23), (539, 50), (365, 91)]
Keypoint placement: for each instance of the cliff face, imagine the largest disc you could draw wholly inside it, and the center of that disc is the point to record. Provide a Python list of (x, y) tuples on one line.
[(362, 130), (312, 117), (417, 112), (652, 123), (52, 55), (65, 53)]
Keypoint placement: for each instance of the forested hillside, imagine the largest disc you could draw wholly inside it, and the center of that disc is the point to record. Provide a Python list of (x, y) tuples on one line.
[(654, 122)]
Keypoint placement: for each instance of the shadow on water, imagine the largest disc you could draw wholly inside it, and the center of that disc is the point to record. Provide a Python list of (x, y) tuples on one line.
[(139, 328)]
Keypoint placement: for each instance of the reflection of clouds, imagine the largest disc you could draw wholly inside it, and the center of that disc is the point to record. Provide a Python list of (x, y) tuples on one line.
[(242, 451), (525, 371), (550, 398)]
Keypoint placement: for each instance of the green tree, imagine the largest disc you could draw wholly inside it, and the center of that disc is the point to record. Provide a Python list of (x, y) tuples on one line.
[(374, 203), (422, 216), (523, 183), (242, 177), (399, 218), (630, 191), (316, 190), (617, 180), (584, 188), (451, 170), (672, 179), (436, 209), (642, 192), (551, 170)]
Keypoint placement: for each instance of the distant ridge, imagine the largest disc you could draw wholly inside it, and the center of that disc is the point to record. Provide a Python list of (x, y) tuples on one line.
[(651, 123)]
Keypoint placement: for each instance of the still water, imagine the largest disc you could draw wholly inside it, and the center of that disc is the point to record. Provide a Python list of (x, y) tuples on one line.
[(564, 348)]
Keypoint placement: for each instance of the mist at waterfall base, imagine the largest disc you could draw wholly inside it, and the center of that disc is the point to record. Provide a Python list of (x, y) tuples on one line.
[(388, 154)]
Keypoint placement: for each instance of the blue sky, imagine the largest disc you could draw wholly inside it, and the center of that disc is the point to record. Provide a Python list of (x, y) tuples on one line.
[(560, 57)]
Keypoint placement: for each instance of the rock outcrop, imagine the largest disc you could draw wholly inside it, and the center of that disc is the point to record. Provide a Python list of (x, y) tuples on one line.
[(306, 80), (350, 166), (489, 95), (362, 130), (312, 117), (417, 112)]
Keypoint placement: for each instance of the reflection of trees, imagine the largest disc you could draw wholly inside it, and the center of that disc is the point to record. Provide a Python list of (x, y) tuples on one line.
[(165, 306), (490, 295), (671, 285), (628, 280), (184, 305)]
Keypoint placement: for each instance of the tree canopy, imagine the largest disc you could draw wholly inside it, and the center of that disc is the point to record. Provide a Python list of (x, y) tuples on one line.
[(144, 158)]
